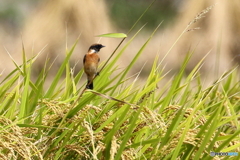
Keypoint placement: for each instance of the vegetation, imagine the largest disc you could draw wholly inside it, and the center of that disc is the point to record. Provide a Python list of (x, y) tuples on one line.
[(119, 119), (161, 10)]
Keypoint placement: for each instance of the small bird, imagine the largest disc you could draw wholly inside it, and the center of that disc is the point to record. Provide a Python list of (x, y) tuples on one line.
[(90, 62)]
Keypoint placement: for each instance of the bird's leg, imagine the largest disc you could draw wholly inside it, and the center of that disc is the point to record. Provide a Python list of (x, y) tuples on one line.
[(89, 84)]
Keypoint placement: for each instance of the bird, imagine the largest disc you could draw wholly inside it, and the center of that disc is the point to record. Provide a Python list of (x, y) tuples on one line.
[(90, 63)]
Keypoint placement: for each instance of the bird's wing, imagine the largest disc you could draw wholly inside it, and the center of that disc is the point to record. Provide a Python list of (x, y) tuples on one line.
[(84, 59)]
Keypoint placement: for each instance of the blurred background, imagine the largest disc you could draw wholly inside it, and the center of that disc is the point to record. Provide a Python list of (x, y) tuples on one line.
[(52, 26)]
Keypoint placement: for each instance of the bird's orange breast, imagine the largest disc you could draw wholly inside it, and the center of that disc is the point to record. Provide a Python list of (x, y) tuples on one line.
[(91, 63), (91, 59)]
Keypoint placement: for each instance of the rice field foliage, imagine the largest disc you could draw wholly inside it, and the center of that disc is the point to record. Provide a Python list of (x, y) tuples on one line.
[(120, 118)]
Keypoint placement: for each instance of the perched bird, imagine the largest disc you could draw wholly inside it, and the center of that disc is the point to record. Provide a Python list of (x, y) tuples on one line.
[(90, 62)]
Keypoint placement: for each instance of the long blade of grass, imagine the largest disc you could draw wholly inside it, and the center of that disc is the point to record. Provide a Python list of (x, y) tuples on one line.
[(59, 73)]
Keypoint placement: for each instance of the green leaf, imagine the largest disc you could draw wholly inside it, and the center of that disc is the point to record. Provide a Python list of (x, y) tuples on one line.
[(113, 35), (57, 77)]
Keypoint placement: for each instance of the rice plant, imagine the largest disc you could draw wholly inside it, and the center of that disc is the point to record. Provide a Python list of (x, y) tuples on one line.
[(119, 119)]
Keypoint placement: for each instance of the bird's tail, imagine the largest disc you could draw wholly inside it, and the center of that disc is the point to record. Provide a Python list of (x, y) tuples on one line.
[(89, 85)]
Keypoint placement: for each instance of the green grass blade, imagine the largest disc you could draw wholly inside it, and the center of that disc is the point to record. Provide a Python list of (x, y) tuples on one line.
[(113, 35), (56, 80)]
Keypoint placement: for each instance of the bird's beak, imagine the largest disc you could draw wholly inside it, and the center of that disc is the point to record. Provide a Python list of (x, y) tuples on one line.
[(103, 46)]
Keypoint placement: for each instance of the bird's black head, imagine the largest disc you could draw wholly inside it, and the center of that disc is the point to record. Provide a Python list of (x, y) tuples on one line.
[(96, 47)]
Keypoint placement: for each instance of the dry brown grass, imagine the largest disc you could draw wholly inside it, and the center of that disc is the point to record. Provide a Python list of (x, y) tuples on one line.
[(14, 142)]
